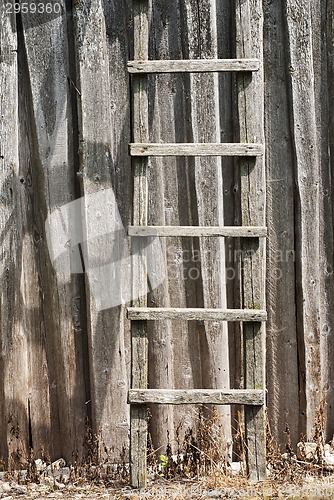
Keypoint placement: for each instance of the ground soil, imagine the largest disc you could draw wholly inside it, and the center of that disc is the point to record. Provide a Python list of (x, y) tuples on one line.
[(177, 490)]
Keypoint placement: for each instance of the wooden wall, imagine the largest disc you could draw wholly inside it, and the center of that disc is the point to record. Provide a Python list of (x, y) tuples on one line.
[(64, 133)]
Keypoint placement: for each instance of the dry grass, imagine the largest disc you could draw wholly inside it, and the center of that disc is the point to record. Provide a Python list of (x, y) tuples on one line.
[(196, 468)]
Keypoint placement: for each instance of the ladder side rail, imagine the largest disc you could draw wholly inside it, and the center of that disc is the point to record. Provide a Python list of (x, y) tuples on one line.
[(139, 341), (250, 88)]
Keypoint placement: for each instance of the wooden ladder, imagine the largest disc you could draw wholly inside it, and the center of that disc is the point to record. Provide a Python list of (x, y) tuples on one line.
[(250, 151)]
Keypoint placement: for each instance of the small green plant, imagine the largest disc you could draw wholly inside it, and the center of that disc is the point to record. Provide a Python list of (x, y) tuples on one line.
[(164, 465)]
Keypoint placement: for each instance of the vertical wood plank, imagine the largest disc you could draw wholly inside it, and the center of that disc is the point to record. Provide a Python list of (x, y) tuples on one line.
[(281, 268), (139, 343), (307, 164), (53, 316), (327, 229), (200, 24), (169, 354), (184, 107), (249, 20), (99, 173), (13, 345)]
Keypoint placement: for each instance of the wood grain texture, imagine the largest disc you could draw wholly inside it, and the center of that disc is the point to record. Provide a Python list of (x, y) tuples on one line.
[(197, 396), (193, 231), (196, 149), (139, 341), (13, 344), (193, 66), (48, 377), (282, 339), (249, 29), (322, 28), (98, 168), (195, 314), (306, 168), (54, 312), (187, 191)]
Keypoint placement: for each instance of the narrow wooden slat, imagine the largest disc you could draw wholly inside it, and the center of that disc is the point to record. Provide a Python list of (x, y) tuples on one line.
[(196, 149), (196, 231), (139, 342), (195, 314), (19, 353), (73, 65), (197, 396), (250, 88), (193, 66)]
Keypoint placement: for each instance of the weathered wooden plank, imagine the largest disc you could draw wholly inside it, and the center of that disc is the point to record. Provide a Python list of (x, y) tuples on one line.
[(98, 167), (196, 149), (14, 369), (54, 315), (282, 338), (323, 22), (139, 343), (197, 396), (195, 314), (249, 34), (293, 156), (206, 192), (193, 66), (231, 188), (188, 191), (304, 68), (194, 231)]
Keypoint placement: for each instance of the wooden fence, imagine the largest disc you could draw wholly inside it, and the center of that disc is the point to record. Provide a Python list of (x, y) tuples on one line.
[(64, 134)]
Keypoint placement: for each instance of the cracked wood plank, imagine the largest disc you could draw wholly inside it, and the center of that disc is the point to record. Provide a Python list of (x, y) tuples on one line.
[(249, 34)]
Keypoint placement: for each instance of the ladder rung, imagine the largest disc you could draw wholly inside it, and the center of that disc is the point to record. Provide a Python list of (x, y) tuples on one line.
[(227, 231), (195, 314), (193, 65), (196, 149), (197, 396)]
